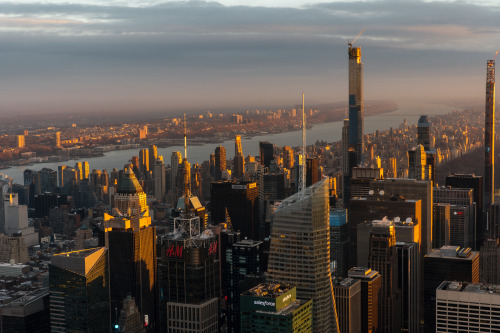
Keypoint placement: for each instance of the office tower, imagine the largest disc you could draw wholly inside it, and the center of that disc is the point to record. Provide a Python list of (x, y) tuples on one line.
[(143, 161), (300, 254), (44, 202), (266, 153), (467, 307), (312, 171), (356, 107), (489, 263), (20, 141), (447, 263), (57, 140), (245, 270), (384, 258), (60, 175), (159, 179), (414, 190), (476, 183), (85, 169), (408, 283), (220, 162), (346, 169), (274, 186), (189, 278), (46, 180), (29, 313), (361, 178), (13, 248), (239, 159), (273, 307), (424, 132), (339, 243), (175, 163), (130, 197), (153, 155), (288, 159), (348, 304), (462, 214), (131, 244), (440, 225), (489, 136), (371, 283), (240, 201), (375, 207), (79, 291)]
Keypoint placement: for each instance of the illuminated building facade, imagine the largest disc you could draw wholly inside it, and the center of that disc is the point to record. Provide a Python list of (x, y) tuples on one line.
[(300, 251)]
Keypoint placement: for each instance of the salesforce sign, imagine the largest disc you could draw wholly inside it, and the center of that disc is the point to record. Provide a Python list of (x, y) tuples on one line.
[(268, 303)]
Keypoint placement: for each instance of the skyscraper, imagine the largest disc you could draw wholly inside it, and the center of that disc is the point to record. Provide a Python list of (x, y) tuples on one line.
[(131, 242), (159, 179), (300, 254), (408, 283), (220, 162), (339, 242), (489, 136), (143, 161), (356, 106), (384, 258), (348, 303), (175, 163), (239, 159), (130, 196), (424, 132), (153, 155), (371, 282), (266, 153), (79, 291)]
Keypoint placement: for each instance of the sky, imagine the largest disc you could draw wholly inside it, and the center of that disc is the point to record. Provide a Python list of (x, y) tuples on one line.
[(156, 55)]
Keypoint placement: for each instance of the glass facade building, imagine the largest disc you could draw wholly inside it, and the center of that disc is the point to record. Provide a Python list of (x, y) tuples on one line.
[(300, 251)]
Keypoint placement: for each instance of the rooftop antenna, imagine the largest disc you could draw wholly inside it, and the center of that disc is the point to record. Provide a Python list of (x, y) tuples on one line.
[(302, 170), (355, 39), (185, 139)]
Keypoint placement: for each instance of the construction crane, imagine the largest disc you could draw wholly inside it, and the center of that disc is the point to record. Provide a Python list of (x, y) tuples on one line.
[(355, 39), (496, 55)]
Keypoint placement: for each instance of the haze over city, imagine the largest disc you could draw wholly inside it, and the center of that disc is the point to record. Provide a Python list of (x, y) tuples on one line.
[(60, 56)]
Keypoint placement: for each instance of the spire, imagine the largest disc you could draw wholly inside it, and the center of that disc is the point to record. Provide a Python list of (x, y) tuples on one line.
[(302, 170), (187, 172)]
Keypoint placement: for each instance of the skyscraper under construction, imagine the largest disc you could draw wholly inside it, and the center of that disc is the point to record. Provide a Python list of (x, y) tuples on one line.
[(489, 135), (300, 255)]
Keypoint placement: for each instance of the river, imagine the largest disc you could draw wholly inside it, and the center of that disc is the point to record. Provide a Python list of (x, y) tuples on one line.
[(329, 132)]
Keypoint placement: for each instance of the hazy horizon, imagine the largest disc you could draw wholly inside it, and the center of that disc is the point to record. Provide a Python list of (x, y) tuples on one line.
[(153, 56)]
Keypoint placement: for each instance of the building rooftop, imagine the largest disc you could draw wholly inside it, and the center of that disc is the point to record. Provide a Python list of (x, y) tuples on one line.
[(129, 184), (466, 287), (362, 273), (268, 290), (453, 252)]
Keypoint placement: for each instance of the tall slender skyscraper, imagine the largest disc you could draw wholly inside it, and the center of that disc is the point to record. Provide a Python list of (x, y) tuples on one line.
[(220, 162), (300, 254), (356, 102), (239, 159), (489, 135)]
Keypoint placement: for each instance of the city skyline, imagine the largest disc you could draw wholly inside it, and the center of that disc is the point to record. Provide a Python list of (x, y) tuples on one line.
[(166, 55)]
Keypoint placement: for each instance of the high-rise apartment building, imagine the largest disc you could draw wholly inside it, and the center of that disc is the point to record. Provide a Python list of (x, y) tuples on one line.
[(384, 259), (447, 263), (288, 160), (144, 162), (153, 155), (79, 291), (312, 171), (20, 141), (220, 162), (424, 132), (489, 136), (57, 140), (300, 254), (371, 283), (356, 105)]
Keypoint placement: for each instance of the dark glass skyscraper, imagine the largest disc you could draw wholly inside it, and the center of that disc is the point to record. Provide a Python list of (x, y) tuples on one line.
[(266, 152), (489, 135), (356, 106), (220, 162), (79, 291)]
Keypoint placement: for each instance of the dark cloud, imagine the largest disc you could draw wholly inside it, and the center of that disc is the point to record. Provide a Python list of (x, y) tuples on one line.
[(198, 54)]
